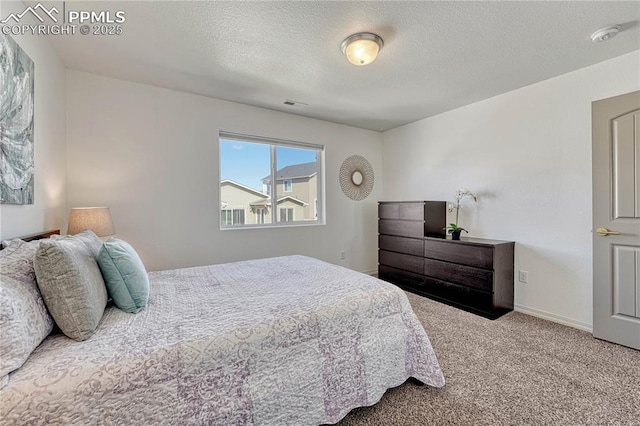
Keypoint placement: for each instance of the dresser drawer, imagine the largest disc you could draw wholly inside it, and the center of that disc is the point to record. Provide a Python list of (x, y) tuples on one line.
[(402, 278), (459, 252), (467, 276), (459, 295), (409, 211), (411, 246), (405, 228), (401, 261)]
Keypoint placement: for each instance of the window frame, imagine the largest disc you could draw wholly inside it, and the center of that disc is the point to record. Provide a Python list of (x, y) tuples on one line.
[(233, 215), (223, 216), (290, 214), (284, 185), (261, 214), (274, 143)]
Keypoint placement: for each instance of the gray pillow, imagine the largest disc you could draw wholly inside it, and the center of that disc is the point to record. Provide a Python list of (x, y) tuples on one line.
[(9, 243), (9, 246), (71, 285), (24, 319), (92, 241)]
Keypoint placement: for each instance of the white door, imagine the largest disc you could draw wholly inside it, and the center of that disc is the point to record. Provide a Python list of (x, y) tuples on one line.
[(616, 219)]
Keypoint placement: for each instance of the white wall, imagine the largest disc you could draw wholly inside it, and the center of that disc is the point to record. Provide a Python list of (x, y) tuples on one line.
[(49, 208), (528, 155), (151, 155)]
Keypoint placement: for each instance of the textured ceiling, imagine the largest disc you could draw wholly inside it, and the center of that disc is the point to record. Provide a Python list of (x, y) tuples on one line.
[(437, 55)]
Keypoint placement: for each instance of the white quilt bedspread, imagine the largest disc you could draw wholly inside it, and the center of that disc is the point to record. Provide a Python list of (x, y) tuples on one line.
[(281, 341)]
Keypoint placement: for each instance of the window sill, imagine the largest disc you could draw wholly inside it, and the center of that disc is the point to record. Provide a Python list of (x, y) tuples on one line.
[(272, 226)]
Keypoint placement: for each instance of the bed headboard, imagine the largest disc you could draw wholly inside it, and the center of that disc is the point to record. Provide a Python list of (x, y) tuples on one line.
[(39, 236)]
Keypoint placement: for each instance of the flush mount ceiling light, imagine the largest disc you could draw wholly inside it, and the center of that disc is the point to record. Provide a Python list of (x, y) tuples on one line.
[(362, 48), (605, 34)]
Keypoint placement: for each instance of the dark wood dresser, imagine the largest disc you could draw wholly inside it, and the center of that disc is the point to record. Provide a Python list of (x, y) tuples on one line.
[(473, 274)]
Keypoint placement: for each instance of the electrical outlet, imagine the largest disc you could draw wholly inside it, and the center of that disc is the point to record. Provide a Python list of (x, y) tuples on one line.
[(523, 276), (343, 255)]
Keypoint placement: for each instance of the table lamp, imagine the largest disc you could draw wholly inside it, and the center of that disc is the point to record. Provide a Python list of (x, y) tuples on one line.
[(97, 219)]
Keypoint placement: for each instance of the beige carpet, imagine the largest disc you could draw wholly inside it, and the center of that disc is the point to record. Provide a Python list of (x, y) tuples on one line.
[(516, 370)]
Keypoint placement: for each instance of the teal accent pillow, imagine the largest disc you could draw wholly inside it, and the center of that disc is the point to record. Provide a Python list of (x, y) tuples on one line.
[(124, 275)]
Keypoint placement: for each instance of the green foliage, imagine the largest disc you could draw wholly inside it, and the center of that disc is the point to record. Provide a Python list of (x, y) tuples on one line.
[(453, 228)]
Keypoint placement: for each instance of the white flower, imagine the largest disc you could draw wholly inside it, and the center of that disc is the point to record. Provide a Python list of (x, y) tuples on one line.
[(459, 195)]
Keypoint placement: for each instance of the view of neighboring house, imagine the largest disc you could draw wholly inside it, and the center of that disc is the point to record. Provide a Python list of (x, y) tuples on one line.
[(242, 205), (297, 189), (298, 185)]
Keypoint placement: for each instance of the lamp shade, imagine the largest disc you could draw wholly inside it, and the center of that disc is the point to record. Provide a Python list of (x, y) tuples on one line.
[(97, 219)]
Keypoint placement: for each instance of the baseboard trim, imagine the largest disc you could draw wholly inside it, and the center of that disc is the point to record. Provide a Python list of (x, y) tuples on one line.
[(373, 272), (554, 318)]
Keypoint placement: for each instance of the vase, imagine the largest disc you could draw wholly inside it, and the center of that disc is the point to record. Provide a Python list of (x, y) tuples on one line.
[(455, 235)]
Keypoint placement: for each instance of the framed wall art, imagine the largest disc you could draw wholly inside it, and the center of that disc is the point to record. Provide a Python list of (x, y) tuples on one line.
[(16, 123)]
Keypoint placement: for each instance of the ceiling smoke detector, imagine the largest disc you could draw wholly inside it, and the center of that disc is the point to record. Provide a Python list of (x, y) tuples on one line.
[(605, 34)]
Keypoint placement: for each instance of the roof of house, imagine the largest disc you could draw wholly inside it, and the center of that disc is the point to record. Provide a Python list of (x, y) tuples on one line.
[(243, 187), (294, 171), (267, 202)]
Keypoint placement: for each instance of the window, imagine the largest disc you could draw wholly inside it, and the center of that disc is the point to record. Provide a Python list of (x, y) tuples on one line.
[(286, 215), (260, 215), (232, 217), (257, 175)]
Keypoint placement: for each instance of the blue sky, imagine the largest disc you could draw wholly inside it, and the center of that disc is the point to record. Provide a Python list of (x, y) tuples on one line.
[(247, 163)]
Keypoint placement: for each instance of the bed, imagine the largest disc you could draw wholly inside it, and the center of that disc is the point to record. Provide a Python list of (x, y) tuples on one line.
[(279, 341)]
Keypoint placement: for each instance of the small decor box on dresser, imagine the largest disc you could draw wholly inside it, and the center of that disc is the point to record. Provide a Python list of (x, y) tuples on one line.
[(472, 274)]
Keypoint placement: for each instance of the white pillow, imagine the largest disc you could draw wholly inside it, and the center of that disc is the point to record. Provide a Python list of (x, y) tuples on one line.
[(25, 321)]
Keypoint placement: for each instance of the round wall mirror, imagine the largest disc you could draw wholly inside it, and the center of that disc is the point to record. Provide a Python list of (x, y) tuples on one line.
[(356, 178)]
